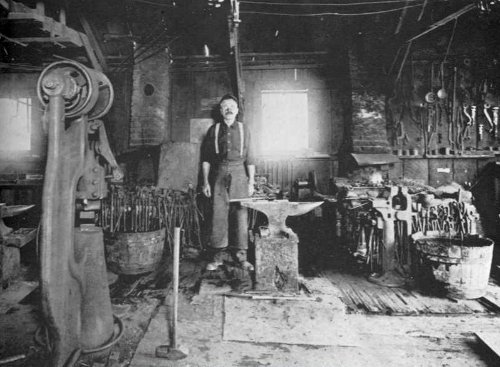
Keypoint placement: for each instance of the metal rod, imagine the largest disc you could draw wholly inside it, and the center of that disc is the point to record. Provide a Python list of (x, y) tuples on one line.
[(12, 359), (445, 20), (175, 270), (13, 40)]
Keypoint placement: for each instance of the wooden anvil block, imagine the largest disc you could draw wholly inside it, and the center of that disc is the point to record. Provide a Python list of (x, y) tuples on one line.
[(276, 264)]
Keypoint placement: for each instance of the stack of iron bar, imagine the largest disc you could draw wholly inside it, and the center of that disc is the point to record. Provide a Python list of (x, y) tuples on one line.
[(136, 209), (147, 208)]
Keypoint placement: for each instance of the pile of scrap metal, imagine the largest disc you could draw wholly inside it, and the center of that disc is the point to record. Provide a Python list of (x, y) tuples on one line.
[(376, 223), (266, 190)]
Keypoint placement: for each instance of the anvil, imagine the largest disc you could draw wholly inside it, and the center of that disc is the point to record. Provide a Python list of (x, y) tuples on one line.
[(10, 211), (276, 255), (277, 211), (10, 254)]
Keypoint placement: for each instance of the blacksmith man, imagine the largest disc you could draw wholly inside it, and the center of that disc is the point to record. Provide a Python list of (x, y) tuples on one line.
[(228, 151)]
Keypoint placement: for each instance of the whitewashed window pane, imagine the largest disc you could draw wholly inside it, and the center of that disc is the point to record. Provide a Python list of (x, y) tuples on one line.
[(15, 124), (284, 121)]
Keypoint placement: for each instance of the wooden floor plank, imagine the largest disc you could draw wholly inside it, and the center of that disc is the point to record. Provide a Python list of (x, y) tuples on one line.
[(382, 306), (405, 306), (360, 295), (354, 299), (399, 307), (417, 303), (368, 302), (342, 283)]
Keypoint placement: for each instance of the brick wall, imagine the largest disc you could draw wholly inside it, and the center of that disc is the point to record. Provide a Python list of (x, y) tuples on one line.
[(150, 101), (368, 132)]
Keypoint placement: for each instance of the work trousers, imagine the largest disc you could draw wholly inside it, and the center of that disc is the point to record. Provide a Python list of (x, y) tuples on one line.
[(229, 220)]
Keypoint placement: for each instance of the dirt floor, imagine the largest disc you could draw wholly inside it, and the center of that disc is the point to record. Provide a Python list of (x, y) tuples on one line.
[(337, 319), (220, 327)]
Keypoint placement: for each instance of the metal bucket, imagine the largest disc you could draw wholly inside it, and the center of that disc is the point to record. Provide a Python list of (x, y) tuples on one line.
[(134, 252), (459, 267)]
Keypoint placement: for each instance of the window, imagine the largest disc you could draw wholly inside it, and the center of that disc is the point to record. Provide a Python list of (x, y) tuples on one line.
[(15, 122), (284, 121)]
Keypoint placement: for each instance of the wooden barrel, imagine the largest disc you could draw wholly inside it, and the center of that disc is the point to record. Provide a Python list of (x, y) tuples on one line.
[(461, 267), (135, 252)]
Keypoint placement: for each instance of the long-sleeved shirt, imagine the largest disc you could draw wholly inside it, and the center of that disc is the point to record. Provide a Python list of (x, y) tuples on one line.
[(229, 145)]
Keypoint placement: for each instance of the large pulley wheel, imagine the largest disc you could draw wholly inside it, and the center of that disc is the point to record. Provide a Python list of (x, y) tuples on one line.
[(85, 91)]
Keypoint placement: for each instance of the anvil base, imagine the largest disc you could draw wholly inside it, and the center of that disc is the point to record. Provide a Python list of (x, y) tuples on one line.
[(10, 263), (276, 264)]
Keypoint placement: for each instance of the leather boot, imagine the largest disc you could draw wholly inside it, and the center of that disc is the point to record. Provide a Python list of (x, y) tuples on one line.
[(217, 258), (240, 256)]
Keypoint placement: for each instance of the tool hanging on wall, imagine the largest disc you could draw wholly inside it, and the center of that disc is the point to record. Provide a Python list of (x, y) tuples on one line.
[(485, 6), (431, 127), (442, 93), (478, 123), (453, 121), (486, 107), (468, 123), (460, 129), (401, 135), (491, 101), (495, 121)]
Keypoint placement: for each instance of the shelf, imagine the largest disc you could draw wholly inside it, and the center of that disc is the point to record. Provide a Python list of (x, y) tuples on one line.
[(463, 156)]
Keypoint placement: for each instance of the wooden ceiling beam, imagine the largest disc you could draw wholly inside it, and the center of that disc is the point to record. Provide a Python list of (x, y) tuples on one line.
[(47, 24), (93, 46), (58, 32)]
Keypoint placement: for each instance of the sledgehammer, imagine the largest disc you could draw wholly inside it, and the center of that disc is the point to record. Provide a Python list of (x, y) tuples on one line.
[(172, 351)]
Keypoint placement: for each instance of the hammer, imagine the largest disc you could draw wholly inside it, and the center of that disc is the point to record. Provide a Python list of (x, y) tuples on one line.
[(172, 351)]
